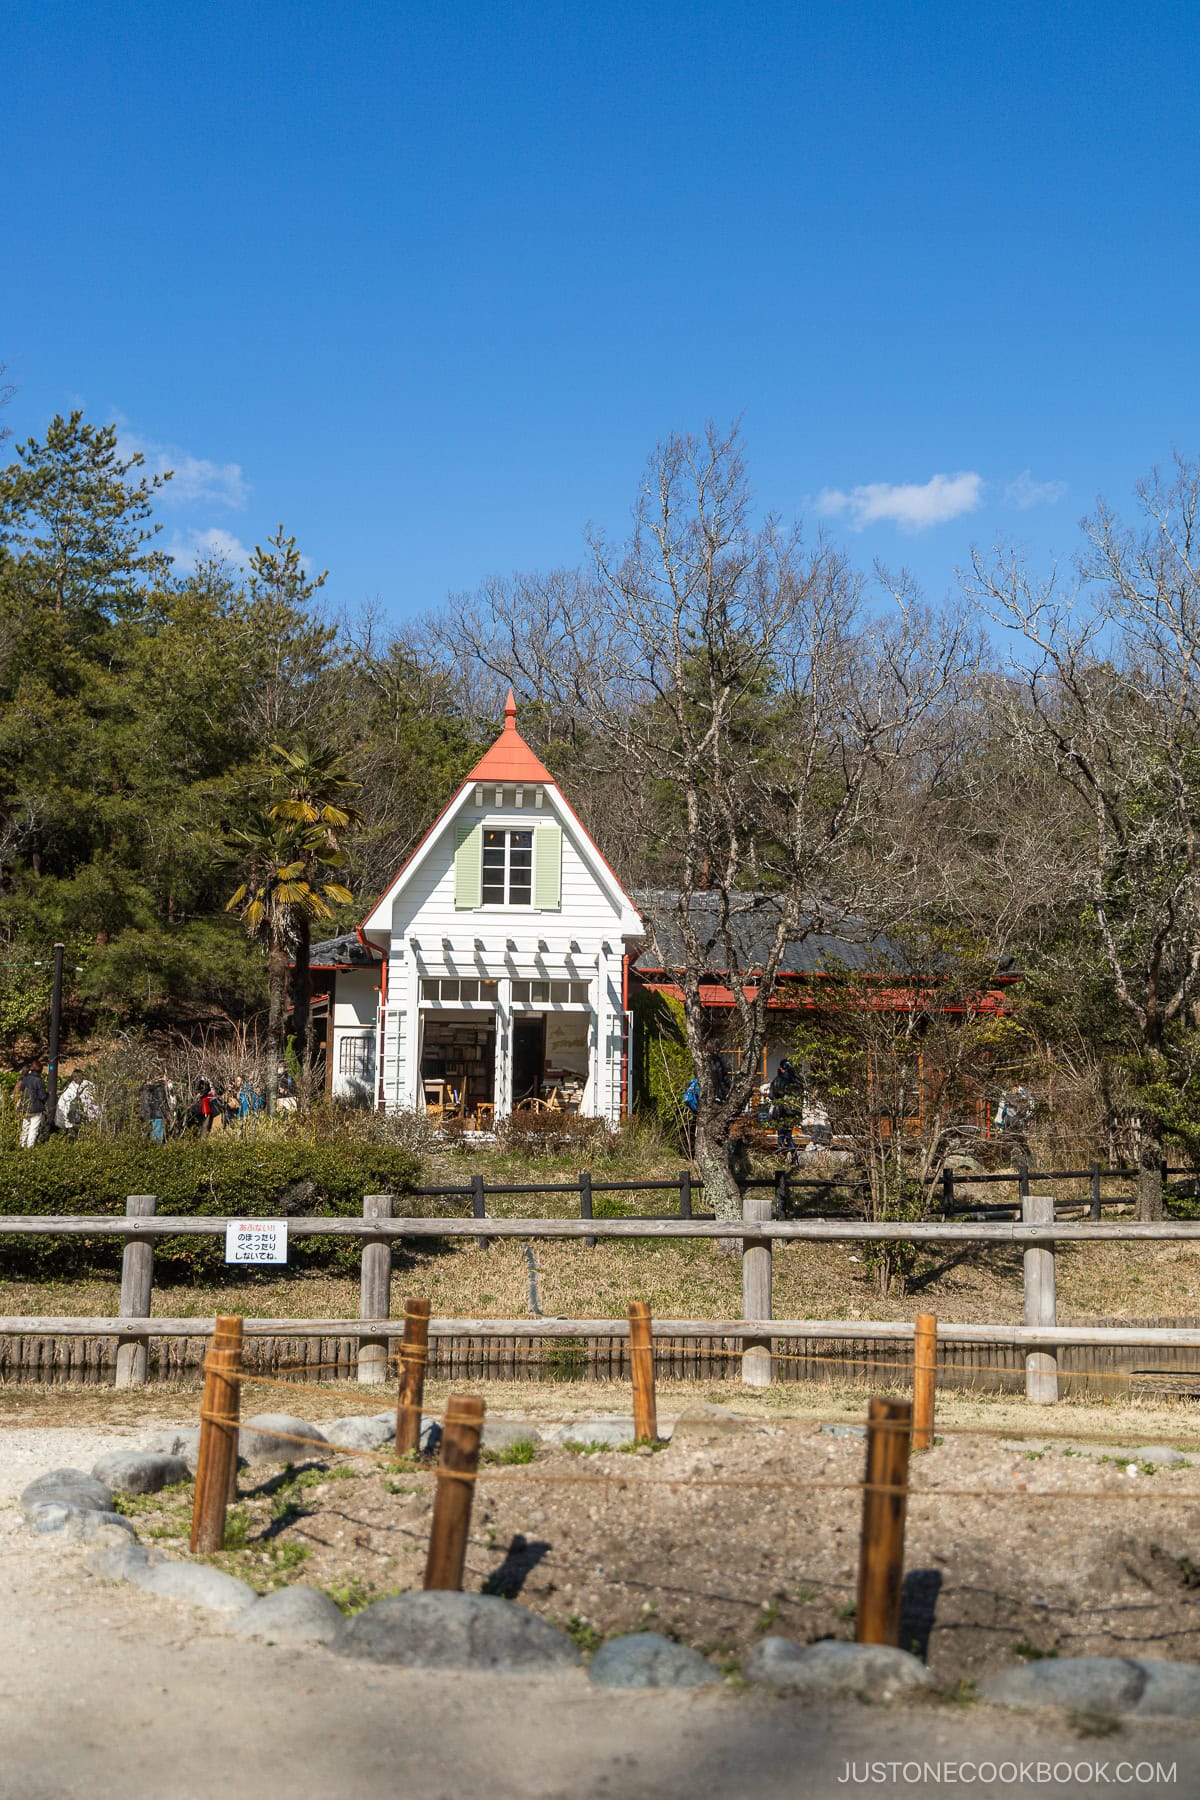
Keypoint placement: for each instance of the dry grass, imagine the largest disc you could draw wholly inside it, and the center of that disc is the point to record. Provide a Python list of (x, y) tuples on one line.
[(679, 1280)]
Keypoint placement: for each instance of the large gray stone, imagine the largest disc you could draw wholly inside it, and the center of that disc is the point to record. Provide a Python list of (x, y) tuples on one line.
[(79, 1524), (869, 1671), (116, 1562), (196, 1583), (176, 1440), (456, 1631), (292, 1615), (360, 1432), (645, 1659), (1105, 1684), (270, 1437), (1172, 1690), (844, 1431), (139, 1471), (67, 1487), (607, 1434), (702, 1421), (505, 1434)]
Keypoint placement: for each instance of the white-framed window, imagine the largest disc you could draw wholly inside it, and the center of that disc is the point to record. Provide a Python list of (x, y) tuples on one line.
[(454, 990), (550, 993), (356, 1056), (507, 868)]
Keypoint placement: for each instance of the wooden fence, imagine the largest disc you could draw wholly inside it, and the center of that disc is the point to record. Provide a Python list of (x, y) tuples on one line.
[(760, 1347)]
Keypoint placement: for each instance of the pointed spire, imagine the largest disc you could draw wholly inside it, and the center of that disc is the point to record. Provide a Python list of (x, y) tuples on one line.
[(510, 758)]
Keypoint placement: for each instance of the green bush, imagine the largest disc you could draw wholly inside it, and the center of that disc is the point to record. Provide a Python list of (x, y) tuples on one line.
[(221, 1176), (662, 1064)]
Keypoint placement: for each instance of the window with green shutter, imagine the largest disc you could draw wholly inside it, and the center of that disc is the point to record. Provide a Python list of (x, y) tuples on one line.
[(547, 868), (468, 866)]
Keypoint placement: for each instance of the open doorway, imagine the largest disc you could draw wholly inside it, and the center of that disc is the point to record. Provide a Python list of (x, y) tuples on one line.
[(529, 1055)]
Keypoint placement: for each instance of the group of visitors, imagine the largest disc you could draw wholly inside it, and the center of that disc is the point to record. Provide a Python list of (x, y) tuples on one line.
[(159, 1107), (209, 1108), (76, 1103)]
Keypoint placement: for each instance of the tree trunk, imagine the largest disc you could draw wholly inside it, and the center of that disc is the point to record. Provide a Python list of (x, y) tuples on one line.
[(277, 987), (302, 1000), (712, 1160)]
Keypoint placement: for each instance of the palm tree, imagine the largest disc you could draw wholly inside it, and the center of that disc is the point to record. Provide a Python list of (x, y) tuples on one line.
[(278, 898), (313, 794)]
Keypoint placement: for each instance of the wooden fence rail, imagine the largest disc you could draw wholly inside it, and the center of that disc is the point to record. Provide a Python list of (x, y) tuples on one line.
[(1037, 1234)]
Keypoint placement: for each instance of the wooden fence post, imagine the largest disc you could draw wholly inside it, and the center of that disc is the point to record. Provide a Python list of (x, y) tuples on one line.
[(756, 1292), (781, 1193), (478, 1207), (414, 1360), (585, 1202), (641, 1366), (462, 1429), (216, 1462), (375, 1290), (924, 1379), (1041, 1366), (685, 1193), (1094, 1211), (885, 1502), (947, 1189), (137, 1286)]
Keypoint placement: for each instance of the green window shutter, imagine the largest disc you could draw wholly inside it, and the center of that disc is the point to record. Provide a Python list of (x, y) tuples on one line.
[(468, 866), (547, 868)]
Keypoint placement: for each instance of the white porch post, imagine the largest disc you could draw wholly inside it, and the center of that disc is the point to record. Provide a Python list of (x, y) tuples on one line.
[(504, 1026)]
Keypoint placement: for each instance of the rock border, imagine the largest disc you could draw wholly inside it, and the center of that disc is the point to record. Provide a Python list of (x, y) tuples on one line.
[(481, 1632)]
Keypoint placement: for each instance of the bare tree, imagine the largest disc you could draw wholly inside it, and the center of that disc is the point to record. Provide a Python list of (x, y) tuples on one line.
[(730, 681), (1108, 695)]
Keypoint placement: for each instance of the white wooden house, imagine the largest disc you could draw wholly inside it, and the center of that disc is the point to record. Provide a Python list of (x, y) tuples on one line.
[(493, 971)]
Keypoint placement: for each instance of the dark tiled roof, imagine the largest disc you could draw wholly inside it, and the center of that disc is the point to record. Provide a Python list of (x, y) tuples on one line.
[(845, 943), (338, 951)]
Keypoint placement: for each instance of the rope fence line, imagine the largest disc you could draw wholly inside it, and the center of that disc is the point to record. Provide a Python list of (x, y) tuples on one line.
[(895, 1429)]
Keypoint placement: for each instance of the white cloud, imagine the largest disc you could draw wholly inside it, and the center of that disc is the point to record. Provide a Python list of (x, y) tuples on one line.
[(1025, 492), (913, 506), (198, 546), (195, 478)]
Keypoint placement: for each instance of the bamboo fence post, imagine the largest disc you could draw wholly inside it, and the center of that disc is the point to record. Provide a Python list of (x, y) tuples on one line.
[(641, 1366), (414, 1360), (1041, 1366), (924, 1379), (1094, 1211), (585, 1203), (885, 1500), (462, 1428), (137, 1288), (685, 1193), (216, 1462), (756, 1293), (375, 1290)]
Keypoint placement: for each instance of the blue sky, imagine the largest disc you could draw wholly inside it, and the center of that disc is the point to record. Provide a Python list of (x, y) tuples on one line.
[(427, 283)]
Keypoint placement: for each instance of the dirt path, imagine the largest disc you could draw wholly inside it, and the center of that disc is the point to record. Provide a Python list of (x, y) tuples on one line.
[(107, 1692)]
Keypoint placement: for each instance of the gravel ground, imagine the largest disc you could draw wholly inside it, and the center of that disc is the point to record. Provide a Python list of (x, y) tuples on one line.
[(106, 1691)]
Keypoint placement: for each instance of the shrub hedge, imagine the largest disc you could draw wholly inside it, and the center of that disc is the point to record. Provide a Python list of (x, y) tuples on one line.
[(220, 1176)]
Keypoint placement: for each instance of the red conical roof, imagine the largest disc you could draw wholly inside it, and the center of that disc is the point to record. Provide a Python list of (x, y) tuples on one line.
[(510, 758)]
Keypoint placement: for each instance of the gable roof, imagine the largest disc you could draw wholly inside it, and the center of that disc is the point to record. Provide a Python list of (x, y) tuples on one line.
[(510, 758), (511, 761)]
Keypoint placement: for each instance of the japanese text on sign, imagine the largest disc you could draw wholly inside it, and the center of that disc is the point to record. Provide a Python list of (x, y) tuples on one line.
[(256, 1241)]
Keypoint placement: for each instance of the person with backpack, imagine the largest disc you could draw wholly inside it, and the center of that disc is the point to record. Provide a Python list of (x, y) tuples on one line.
[(30, 1095), (154, 1107), (77, 1104), (200, 1114)]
